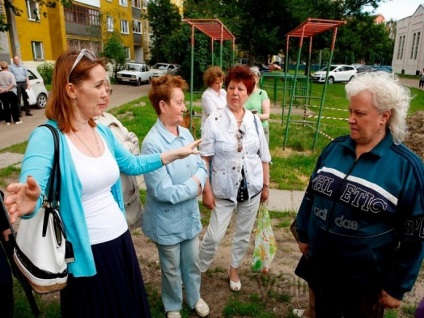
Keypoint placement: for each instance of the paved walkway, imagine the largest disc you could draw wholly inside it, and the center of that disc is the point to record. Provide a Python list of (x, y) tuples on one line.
[(279, 200)]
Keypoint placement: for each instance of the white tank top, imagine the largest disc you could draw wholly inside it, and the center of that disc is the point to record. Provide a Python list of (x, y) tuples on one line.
[(105, 220)]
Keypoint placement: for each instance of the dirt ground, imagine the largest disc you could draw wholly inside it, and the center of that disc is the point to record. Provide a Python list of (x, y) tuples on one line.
[(281, 279), (415, 137), (215, 287)]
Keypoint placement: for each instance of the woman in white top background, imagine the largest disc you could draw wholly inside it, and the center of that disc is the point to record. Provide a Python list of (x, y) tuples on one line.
[(214, 97)]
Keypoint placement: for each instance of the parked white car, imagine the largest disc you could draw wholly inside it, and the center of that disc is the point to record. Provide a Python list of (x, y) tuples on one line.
[(134, 73), (37, 85), (337, 73), (160, 69)]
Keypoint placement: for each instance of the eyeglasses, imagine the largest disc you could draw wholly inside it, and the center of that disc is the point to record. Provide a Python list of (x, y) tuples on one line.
[(239, 136), (109, 91), (84, 52)]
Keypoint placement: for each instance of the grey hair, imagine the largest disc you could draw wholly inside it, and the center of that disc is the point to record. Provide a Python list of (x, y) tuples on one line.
[(387, 94)]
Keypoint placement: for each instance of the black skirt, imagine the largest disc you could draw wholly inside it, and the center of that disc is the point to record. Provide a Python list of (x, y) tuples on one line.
[(117, 290)]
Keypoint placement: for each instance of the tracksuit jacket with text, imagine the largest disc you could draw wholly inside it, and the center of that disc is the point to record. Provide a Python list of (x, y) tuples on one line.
[(367, 213)]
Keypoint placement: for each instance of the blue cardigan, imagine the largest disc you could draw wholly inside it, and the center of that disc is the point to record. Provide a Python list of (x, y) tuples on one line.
[(38, 161)]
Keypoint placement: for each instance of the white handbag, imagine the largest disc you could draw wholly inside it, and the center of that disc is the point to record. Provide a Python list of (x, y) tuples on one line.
[(42, 251), (32, 99)]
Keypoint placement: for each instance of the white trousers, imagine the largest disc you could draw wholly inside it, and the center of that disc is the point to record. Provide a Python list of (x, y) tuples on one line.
[(245, 214)]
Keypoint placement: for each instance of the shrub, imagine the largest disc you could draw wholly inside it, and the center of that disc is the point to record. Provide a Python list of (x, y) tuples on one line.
[(46, 72)]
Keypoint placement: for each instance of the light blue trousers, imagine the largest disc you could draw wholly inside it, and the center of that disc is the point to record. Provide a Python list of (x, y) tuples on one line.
[(180, 263)]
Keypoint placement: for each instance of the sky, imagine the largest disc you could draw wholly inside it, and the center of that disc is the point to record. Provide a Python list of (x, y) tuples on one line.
[(398, 9)]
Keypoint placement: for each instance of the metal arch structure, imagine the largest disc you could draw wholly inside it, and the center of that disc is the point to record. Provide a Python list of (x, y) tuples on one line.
[(217, 31), (308, 29)]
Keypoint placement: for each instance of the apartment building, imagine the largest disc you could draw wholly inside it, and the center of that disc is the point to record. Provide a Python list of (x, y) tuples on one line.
[(42, 34), (408, 54)]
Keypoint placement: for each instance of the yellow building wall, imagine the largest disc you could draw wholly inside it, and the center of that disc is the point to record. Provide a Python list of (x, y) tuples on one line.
[(29, 30), (118, 12), (179, 4), (57, 30)]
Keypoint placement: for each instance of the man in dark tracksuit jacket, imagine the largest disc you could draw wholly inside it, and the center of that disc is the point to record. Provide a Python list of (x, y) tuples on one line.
[(364, 222)]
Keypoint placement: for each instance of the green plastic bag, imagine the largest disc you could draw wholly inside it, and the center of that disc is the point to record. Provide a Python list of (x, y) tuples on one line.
[(265, 245)]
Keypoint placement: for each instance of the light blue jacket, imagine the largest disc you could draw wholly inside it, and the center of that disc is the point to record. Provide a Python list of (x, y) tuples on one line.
[(38, 161), (171, 212)]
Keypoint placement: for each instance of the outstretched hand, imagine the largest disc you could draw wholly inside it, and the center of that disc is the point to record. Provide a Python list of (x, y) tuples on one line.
[(190, 149), (180, 153), (22, 198)]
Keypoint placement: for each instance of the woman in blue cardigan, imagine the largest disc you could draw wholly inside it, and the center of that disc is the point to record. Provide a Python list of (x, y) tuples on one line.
[(105, 278)]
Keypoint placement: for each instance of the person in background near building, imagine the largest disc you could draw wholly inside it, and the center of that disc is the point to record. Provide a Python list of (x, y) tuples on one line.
[(360, 222), (129, 140), (259, 103), (8, 95), (421, 83), (105, 278), (22, 84), (214, 97), (235, 142), (172, 216)]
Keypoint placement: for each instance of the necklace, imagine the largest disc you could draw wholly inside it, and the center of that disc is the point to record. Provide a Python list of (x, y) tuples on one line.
[(89, 150), (241, 119)]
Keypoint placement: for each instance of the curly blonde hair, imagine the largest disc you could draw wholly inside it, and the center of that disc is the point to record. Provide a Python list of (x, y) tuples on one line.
[(212, 74), (387, 94)]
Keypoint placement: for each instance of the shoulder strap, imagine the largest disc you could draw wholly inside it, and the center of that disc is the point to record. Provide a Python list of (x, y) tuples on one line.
[(256, 124), (257, 131), (53, 194)]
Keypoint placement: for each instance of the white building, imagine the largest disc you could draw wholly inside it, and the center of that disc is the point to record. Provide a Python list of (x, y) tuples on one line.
[(408, 54)]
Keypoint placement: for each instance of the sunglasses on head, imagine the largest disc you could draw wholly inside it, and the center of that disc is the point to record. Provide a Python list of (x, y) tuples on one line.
[(84, 52), (239, 136)]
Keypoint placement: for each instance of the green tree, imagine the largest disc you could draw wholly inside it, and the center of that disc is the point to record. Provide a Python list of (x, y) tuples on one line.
[(46, 71), (363, 40), (359, 39), (114, 51), (164, 19)]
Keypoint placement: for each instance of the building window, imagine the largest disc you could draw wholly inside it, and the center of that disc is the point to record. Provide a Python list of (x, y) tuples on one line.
[(123, 3), (124, 27), (137, 26), (401, 47), (413, 45), (417, 43), (82, 15), (127, 53), (37, 50), (136, 3), (32, 8), (110, 24)]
